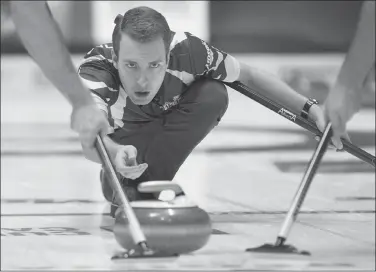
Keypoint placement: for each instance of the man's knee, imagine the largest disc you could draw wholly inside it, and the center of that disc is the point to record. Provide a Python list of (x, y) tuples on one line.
[(215, 94), (211, 96)]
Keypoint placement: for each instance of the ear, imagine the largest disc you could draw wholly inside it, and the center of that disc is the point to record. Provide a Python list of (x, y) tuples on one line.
[(168, 57), (114, 58)]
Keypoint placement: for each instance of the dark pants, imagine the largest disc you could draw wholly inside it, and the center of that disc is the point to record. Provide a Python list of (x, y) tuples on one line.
[(164, 143)]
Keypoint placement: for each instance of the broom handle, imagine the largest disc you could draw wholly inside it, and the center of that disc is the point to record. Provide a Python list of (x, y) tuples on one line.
[(304, 186), (308, 125), (134, 225)]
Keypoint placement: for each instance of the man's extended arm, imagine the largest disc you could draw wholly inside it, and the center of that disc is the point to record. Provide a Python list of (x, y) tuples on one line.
[(345, 98), (361, 55), (274, 88), (43, 40)]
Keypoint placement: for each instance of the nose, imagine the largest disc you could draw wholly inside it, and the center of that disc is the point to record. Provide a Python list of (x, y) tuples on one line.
[(142, 81)]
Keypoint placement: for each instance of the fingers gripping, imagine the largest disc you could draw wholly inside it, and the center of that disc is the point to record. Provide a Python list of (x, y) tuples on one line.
[(339, 130)]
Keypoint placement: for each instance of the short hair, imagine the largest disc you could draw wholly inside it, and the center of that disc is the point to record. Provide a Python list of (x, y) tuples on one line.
[(143, 24)]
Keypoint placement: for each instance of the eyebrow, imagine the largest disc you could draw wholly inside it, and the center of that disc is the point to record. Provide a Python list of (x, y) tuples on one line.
[(129, 60)]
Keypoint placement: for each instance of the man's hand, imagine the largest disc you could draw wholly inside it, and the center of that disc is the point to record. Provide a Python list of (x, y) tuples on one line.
[(126, 162), (339, 107), (344, 99), (316, 113), (89, 121)]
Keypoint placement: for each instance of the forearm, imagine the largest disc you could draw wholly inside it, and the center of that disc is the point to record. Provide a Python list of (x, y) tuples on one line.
[(361, 55), (92, 154), (43, 40), (274, 88)]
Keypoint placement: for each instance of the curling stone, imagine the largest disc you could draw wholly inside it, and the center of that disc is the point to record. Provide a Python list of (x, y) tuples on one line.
[(175, 226)]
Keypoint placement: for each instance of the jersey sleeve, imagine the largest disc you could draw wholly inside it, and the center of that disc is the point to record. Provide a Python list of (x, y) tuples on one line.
[(96, 73), (212, 62)]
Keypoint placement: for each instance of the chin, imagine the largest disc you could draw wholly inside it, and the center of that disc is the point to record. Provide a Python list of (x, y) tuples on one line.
[(142, 103)]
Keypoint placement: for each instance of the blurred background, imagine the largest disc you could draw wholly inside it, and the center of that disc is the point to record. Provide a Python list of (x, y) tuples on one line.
[(241, 28), (234, 26)]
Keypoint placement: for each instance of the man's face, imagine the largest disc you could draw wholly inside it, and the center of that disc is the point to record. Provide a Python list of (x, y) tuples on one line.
[(142, 67)]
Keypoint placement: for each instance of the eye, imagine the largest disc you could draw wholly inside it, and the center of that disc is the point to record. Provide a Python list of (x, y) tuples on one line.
[(154, 65), (131, 65)]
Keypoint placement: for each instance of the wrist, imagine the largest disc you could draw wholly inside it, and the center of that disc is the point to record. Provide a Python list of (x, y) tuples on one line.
[(79, 95), (314, 112), (82, 101), (307, 108)]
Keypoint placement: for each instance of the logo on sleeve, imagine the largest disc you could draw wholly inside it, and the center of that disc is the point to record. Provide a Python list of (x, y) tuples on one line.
[(209, 56)]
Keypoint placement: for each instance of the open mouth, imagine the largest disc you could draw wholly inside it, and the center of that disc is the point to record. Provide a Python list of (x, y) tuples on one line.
[(142, 94)]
